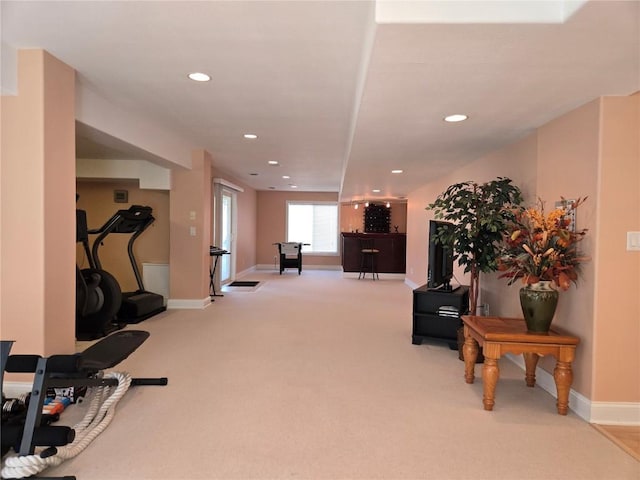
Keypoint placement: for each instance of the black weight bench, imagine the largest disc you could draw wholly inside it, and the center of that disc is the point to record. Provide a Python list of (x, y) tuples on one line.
[(77, 370)]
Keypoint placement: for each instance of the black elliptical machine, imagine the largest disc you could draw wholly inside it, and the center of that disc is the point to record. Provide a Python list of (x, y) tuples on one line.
[(141, 304), (98, 294)]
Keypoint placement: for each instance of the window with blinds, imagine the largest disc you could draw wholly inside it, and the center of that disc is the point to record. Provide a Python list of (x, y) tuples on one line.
[(315, 223)]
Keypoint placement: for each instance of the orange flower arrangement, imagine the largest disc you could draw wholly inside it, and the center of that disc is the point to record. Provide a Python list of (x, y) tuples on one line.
[(540, 246)]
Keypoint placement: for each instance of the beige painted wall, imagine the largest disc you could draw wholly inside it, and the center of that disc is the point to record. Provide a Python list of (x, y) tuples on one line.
[(38, 220), (189, 254), (589, 151), (568, 157), (271, 221), (617, 271), (96, 197), (352, 219)]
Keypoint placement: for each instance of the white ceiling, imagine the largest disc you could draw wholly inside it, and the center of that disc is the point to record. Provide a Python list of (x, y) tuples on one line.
[(337, 99)]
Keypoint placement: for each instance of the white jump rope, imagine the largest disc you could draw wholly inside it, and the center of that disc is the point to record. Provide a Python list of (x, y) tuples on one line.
[(100, 413)]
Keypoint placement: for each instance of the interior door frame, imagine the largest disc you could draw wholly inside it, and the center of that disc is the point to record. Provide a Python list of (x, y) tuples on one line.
[(221, 186)]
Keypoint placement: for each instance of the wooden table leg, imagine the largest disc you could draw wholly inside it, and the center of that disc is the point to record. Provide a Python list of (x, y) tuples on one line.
[(470, 354), (490, 375), (530, 361), (563, 375)]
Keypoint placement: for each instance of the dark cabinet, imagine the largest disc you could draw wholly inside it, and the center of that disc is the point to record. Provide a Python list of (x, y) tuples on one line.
[(436, 314), (392, 249)]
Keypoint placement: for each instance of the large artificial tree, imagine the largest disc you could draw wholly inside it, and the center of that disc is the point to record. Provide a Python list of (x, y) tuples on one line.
[(479, 214)]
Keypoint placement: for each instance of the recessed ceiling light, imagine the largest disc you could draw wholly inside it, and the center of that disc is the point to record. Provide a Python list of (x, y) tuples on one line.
[(272, 162), (293, 186), (250, 136), (286, 177), (376, 190), (199, 77), (455, 118), (396, 171)]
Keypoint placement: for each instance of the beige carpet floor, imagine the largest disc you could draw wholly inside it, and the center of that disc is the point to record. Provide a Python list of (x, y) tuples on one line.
[(315, 377)]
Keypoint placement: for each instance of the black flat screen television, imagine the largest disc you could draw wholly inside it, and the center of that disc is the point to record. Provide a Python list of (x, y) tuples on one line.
[(440, 266)]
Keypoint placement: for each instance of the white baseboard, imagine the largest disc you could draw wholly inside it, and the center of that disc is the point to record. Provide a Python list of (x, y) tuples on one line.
[(334, 268), (266, 266), (382, 276), (411, 284), (177, 303), (246, 272), (618, 413), (605, 413)]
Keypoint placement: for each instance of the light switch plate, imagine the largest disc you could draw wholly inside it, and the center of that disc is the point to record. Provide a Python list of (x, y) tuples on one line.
[(633, 241)]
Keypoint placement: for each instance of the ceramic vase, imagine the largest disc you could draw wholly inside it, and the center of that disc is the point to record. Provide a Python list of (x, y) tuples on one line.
[(538, 302)]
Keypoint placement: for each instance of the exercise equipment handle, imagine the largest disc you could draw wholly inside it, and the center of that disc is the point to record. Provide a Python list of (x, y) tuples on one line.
[(150, 381), (56, 436)]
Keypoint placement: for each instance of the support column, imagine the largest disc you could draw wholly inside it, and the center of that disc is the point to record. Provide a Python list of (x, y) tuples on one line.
[(190, 233), (37, 193)]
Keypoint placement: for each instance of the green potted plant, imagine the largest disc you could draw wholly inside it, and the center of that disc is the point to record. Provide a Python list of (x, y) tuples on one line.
[(542, 250), (480, 214)]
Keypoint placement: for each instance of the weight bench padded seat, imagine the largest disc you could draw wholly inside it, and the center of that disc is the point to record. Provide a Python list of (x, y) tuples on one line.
[(106, 353), (112, 350)]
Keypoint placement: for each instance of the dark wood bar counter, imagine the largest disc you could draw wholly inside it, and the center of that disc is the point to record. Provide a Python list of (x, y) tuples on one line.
[(392, 256)]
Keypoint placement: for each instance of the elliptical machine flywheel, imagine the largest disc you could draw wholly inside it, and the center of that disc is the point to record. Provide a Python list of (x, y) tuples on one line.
[(98, 294)]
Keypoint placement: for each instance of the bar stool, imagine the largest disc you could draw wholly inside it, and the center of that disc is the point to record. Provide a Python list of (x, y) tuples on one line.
[(368, 254)]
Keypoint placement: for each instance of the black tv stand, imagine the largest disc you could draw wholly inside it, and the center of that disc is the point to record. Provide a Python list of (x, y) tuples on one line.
[(432, 322)]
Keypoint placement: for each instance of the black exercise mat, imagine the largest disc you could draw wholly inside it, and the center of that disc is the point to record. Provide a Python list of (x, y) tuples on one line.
[(243, 283)]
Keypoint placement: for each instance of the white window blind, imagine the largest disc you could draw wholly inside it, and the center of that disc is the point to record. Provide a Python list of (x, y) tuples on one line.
[(315, 223)]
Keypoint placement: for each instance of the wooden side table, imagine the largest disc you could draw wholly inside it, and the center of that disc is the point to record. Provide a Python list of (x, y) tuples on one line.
[(498, 336)]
